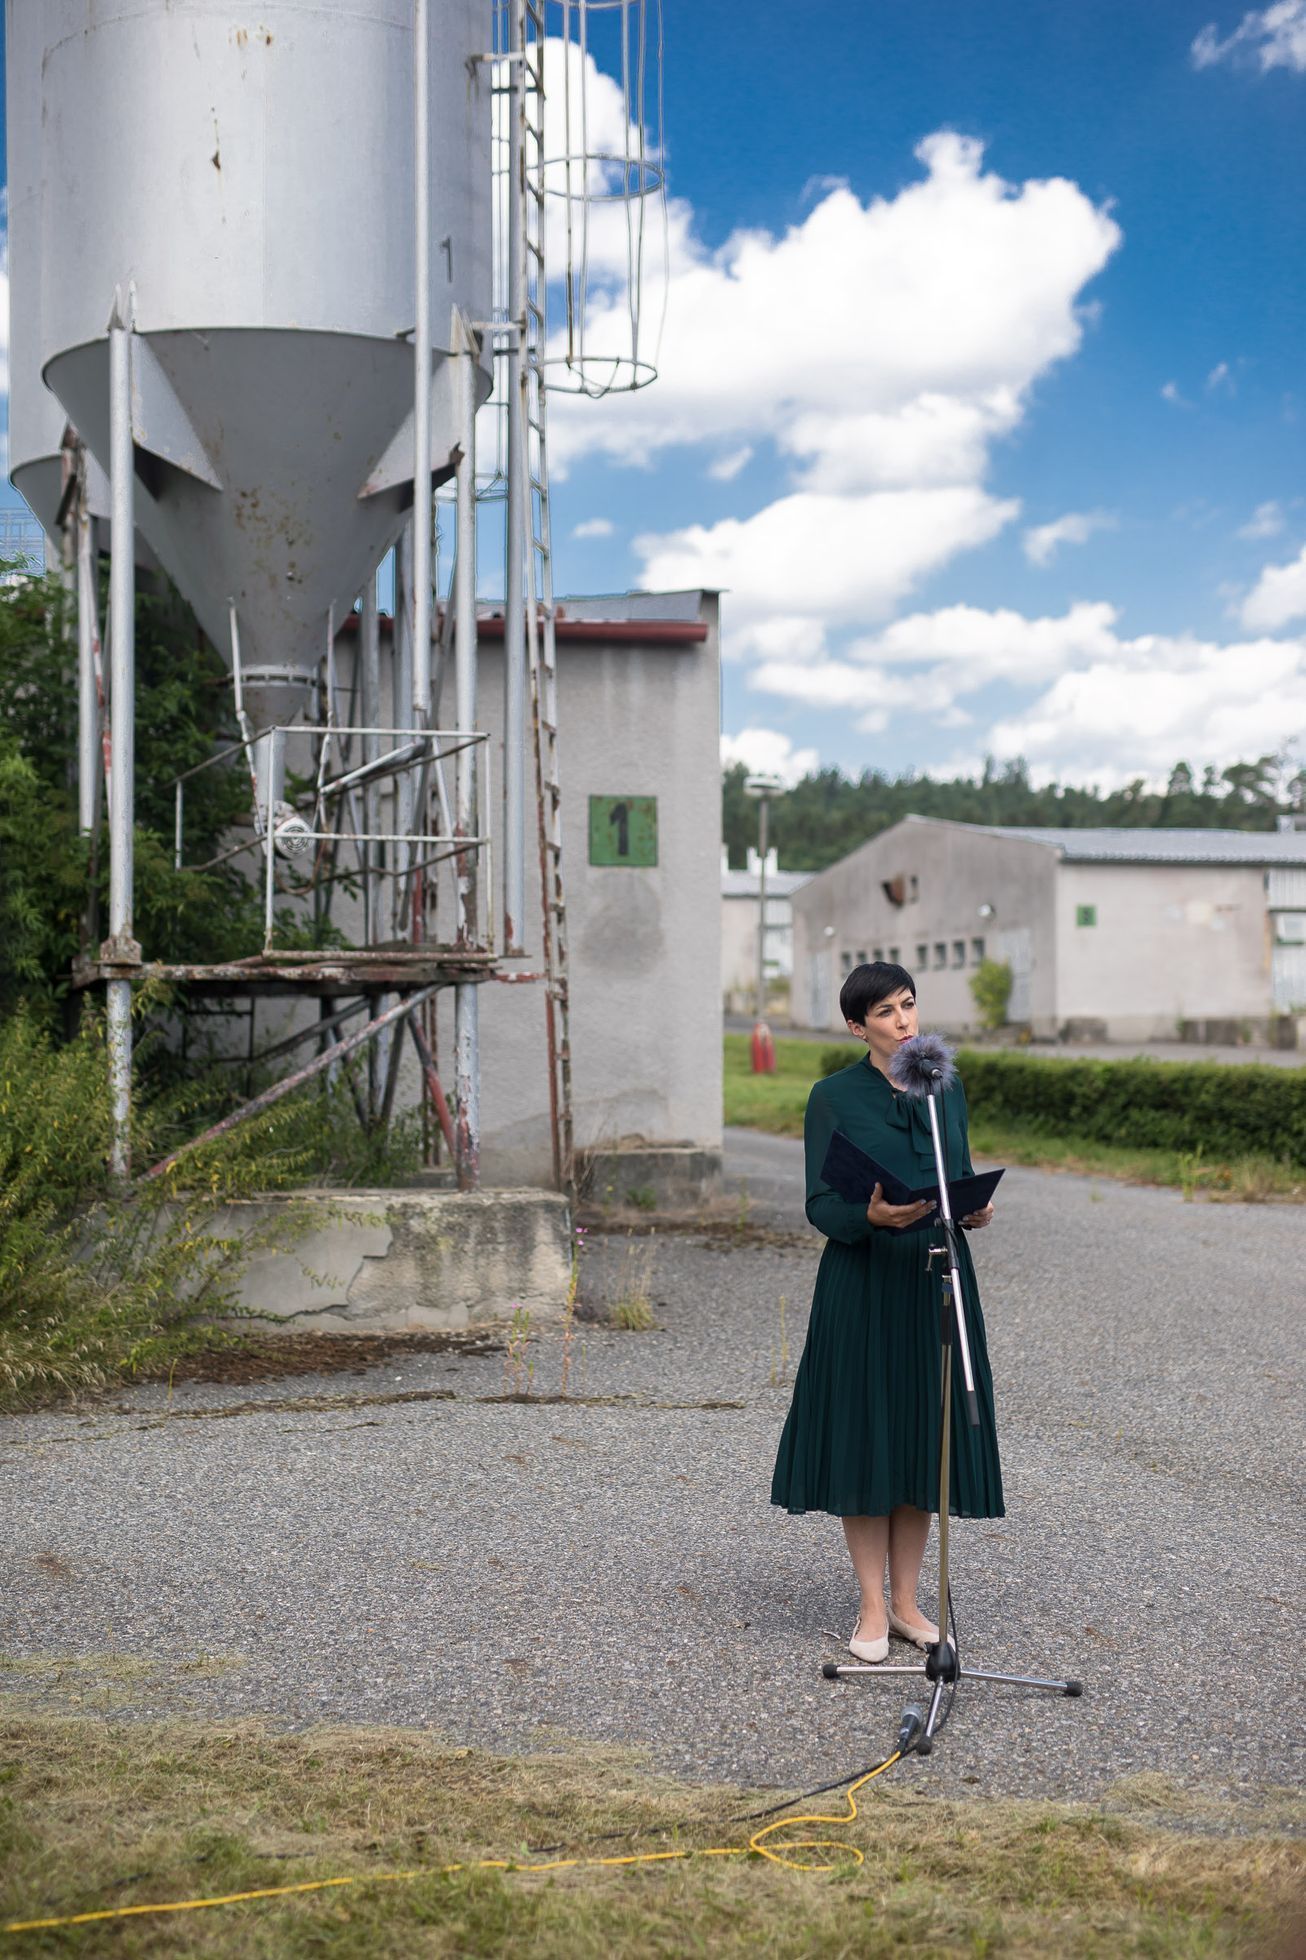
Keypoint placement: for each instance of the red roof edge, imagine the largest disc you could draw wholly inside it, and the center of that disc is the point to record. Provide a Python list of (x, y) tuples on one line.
[(603, 632)]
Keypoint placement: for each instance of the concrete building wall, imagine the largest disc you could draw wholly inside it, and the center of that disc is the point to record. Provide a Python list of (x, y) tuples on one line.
[(645, 943), (1167, 943), (739, 915), (947, 872)]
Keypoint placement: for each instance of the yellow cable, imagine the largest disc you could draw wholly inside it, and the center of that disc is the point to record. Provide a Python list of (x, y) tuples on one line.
[(774, 1855)]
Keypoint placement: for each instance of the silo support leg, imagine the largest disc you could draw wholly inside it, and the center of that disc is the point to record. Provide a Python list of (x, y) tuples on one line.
[(120, 948), (467, 1076), (119, 1042)]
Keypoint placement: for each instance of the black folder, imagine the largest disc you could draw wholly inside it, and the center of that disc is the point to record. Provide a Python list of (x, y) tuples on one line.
[(854, 1175)]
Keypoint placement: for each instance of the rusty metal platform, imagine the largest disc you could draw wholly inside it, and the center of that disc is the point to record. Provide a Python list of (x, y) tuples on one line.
[(319, 975)]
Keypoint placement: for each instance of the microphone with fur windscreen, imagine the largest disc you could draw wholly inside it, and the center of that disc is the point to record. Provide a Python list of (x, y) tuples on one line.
[(923, 1064)]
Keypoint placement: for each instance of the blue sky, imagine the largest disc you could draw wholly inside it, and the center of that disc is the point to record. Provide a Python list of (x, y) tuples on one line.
[(983, 386), (1178, 416)]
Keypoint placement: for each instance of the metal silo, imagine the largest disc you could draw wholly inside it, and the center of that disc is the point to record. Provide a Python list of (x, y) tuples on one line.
[(245, 182), (252, 264)]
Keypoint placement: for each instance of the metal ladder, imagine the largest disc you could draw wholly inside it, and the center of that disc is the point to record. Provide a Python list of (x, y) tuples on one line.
[(541, 636)]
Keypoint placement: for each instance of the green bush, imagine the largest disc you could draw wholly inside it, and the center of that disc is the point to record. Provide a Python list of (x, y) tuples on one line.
[(990, 989), (95, 1286), (833, 1059), (1229, 1110)]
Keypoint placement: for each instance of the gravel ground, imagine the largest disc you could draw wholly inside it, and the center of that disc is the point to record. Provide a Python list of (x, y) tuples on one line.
[(403, 1546)]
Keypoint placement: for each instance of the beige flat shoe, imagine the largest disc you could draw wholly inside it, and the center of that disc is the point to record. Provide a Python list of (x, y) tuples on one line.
[(925, 1635), (873, 1651)]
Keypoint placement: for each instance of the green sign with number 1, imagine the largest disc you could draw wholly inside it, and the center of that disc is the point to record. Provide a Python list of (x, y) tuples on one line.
[(623, 830)]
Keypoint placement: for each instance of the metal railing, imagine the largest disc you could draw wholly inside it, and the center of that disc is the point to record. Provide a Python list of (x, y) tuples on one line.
[(284, 832)]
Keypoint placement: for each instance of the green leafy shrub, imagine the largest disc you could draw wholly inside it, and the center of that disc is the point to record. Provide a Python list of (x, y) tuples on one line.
[(47, 870), (833, 1059), (1230, 1110), (990, 989), (94, 1286)]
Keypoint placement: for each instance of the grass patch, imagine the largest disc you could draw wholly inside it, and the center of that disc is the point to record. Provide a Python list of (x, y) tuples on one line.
[(96, 1815), (631, 1310), (776, 1103)]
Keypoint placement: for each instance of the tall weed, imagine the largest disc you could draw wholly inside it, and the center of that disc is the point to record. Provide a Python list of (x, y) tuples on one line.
[(94, 1286)]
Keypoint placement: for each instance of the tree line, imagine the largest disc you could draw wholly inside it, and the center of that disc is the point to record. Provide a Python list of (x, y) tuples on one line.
[(827, 814)]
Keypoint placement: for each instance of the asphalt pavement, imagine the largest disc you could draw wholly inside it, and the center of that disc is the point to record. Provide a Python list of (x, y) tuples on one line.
[(405, 1546)]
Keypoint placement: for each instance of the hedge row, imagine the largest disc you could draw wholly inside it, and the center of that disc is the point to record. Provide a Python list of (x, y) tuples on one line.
[(1230, 1110)]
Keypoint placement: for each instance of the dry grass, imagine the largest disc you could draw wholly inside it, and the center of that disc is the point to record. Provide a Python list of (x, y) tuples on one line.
[(94, 1814), (631, 1309)]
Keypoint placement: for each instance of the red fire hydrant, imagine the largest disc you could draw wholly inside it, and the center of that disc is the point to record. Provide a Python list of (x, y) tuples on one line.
[(763, 1050)]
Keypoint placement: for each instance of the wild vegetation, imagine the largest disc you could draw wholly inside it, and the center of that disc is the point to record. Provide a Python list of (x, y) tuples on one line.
[(94, 1286), (827, 814)]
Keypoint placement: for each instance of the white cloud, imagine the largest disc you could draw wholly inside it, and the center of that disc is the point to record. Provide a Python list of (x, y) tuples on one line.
[(810, 561), (1266, 521), (1170, 393), (950, 298), (726, 468), (1221, 376), (766, 752), (594, 527), (1159, 699), (1076, 527), (1112, 708), (979, 647), (882, 348), (1278, 596), (1271, 37), (926, 661)]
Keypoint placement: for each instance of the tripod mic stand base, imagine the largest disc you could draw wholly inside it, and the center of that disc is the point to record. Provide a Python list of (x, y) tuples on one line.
[(836, 1671), (942, 1667)]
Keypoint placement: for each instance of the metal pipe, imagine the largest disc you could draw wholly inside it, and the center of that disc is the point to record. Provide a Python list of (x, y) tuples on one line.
[(422, 364), (517, 506), (370, 704), (466, 1010), (121, 945), (762, 842), (88, 704), (465, 630), (466, 1084), (434, 1088), (403, 717), (336, 1053)]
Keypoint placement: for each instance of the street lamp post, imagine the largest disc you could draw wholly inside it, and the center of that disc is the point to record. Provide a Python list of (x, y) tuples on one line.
[(762, 789)]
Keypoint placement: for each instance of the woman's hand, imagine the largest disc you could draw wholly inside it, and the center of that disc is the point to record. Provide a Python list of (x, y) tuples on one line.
[(978, 1219), (897, 1216)]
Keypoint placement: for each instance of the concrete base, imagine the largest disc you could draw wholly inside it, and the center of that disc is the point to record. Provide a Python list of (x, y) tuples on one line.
[(1260, 1031), (395, 1260), (649, 1177)]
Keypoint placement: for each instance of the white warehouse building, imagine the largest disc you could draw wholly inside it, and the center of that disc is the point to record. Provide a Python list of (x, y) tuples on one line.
[(1111, 934), (741, 904)]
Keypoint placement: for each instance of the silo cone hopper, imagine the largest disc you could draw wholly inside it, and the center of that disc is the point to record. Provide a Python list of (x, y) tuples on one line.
[(262, 484)]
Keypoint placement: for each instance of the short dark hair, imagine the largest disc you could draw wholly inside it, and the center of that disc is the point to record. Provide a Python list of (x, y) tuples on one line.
[(868, 985)]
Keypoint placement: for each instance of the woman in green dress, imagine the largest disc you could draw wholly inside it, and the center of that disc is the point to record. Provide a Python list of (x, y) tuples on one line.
[(862, 1436)]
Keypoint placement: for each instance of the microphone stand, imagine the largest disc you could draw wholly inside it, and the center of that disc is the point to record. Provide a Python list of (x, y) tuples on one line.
[(941, 1666)]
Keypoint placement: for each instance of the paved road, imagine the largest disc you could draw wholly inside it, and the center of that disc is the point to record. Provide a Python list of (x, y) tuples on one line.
[(1086, 1051), (510, 1574)]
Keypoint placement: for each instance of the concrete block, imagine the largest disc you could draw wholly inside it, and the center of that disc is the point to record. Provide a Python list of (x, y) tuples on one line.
[(650, 1177), (387, 1261)]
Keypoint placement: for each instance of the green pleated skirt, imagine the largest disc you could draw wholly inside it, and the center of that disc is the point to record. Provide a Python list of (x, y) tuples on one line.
[(862, 1434)]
